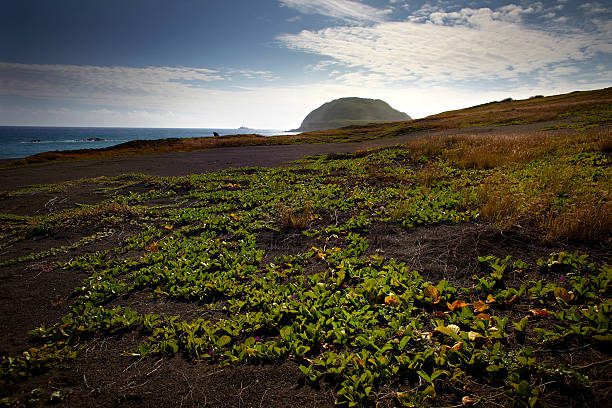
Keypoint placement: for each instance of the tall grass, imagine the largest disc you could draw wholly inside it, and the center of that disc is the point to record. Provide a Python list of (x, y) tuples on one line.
[(552, 181)]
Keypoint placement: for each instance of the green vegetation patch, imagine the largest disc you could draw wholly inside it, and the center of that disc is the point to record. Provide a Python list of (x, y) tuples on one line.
[(351, 316)]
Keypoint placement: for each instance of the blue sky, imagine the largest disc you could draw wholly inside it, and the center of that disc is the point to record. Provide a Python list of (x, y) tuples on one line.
[(267, 63)]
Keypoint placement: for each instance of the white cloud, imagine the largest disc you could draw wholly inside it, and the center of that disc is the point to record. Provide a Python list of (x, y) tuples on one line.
[(595, 8), (252, 74), (347, 10), (468, 45)]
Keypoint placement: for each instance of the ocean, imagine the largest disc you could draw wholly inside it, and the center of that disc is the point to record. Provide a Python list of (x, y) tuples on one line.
[(22, 141)]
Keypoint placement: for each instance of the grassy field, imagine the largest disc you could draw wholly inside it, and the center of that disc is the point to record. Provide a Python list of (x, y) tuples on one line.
[(576, 110), (468, 270)]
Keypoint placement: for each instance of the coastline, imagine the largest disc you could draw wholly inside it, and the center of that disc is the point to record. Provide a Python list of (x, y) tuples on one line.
[(181, 163)]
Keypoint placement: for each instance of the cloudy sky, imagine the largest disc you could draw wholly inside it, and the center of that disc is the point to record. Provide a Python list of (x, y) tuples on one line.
[(267, 63)]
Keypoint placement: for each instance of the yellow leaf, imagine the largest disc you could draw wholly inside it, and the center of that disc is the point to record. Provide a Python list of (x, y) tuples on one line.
[(457, 304), (490, 299), (473, 335), (432, 293), (480, 306), (168, 227)]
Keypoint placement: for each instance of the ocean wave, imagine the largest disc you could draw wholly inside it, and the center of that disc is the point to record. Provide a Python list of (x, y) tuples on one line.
[(36, 141)]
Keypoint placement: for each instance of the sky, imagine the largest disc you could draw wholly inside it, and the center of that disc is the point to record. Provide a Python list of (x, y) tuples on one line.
[(266, 64)]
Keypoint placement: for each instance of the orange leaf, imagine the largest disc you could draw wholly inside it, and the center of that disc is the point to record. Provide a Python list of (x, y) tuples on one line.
[(490, 299), (480, 306), (392, 300), (432, 293), (538, 312), (512, 300), (483, 316), (457, 304), (154, 247), (563, 294), (467, 401)]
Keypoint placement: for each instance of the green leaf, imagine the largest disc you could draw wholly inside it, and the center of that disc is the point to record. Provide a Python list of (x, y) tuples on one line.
[(223, 340), (424, 375), (403, 342), (449, 332)]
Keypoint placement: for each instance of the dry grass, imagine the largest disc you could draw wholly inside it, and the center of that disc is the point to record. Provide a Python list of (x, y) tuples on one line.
[(601, 140), (429, 147), (589, 221), (585, 220), (429, 175), (498, 207), (523, 111), (496, 150), (295, 218), (487, 152)]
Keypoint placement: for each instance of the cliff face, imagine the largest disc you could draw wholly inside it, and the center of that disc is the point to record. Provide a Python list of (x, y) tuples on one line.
[(350, 111)]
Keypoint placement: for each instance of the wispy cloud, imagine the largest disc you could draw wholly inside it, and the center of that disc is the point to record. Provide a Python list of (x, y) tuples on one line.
[(87, 82), (155, 96), (438, 47), (38, 80), (347, 10)]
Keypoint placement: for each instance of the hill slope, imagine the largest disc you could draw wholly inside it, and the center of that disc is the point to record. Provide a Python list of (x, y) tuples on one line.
[(350, 111)]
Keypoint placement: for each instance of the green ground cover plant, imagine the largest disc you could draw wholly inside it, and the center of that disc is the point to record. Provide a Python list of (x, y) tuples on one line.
[(352, 317)]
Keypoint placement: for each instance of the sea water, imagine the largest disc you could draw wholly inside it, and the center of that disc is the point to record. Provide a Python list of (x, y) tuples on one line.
[(22, 141)]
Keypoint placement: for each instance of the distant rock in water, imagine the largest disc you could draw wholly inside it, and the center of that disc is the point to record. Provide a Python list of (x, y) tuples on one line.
[(350, 111)]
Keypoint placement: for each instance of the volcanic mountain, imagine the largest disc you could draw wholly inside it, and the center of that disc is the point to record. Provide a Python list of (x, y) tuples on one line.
[(350, 111)]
